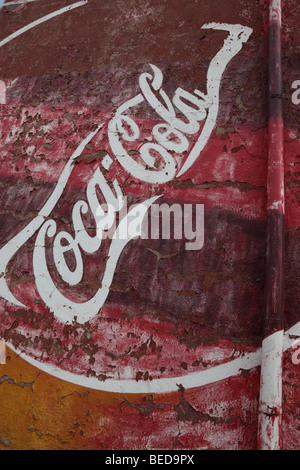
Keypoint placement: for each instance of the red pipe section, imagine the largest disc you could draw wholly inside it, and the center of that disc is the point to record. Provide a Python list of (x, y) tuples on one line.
[(269, 433), (275, 211)]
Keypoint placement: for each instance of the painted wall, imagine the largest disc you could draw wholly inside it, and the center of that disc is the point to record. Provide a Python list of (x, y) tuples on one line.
[(140, 343)]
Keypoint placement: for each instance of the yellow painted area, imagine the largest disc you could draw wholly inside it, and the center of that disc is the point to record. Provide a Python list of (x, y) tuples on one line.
[(40, 412)]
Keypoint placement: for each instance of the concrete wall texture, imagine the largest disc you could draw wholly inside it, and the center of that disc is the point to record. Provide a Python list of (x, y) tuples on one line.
[(107, 110)]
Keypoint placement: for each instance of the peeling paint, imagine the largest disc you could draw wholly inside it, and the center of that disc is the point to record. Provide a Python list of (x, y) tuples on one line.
[(161, 100)]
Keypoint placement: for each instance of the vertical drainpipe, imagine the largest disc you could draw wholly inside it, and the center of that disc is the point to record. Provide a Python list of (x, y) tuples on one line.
[(270, 400)]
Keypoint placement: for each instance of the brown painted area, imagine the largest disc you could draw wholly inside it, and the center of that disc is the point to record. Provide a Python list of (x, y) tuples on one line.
[(123, 34), (180, 272)]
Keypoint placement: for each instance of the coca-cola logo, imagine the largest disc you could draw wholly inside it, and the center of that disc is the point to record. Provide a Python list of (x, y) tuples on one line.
[(184, 125), (195, 108)]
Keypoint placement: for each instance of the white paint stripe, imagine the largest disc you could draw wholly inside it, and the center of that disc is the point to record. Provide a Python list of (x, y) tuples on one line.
[(42, 20), (19, 2), (167, 385), (195, 379), (272, 349), (275, 11), (270, 398)]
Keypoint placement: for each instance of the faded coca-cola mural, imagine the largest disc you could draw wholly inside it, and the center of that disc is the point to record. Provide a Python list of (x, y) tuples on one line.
[(135, 176)]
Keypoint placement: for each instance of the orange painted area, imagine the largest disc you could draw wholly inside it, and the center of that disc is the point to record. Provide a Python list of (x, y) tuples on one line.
[(42, 412)]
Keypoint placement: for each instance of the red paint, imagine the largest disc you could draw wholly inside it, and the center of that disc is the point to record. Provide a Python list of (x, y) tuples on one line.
[(169, 312)]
